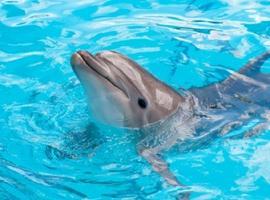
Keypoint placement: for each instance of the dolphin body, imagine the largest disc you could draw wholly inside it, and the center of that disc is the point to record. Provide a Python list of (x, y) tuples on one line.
[(121, 93)]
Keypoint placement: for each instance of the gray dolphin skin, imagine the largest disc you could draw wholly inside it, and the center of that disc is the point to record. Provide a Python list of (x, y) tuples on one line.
[(121, 93)]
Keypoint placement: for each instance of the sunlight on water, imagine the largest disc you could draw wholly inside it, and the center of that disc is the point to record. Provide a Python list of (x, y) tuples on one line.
[(50, 148)]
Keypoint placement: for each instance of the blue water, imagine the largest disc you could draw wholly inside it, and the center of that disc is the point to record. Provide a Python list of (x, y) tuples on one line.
[(49, 146)]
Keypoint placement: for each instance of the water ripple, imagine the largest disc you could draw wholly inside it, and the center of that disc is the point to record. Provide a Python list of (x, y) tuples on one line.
[(49, 145)]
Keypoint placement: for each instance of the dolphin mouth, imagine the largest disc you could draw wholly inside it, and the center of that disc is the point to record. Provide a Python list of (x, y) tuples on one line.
[(96, 65)]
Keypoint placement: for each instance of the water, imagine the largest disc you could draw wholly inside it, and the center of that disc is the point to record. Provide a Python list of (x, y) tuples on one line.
[(49, 146)]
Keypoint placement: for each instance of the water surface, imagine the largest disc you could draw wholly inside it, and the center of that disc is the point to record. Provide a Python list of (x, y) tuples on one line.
[(49, 146)]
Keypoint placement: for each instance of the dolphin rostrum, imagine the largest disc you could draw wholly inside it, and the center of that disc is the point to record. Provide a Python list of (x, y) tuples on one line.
[(121, 93)]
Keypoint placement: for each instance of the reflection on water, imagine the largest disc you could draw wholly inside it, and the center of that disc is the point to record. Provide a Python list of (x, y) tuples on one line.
[(48, 149), (77, 144)]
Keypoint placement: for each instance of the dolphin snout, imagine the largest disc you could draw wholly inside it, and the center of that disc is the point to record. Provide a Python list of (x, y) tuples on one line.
[(86, 60), (84, 53), (79, 58), (76, 60)]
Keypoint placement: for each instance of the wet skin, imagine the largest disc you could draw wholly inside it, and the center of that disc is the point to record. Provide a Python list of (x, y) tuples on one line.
[(121, 93)]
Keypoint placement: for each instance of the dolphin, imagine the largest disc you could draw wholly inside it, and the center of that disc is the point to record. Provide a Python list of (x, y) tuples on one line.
[(122, 93)]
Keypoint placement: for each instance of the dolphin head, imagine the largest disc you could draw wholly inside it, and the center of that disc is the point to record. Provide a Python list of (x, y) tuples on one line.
[(120, 92)]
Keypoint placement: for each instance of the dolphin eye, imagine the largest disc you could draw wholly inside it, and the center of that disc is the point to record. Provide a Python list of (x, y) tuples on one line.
[(142, 103)]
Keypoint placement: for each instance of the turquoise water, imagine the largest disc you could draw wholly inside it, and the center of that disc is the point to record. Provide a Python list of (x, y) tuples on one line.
[(49, 146)]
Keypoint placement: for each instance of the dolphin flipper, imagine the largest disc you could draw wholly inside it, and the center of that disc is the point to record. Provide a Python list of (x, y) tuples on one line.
[(249, 73), (161, 167), (247, 83), (254, 65)]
